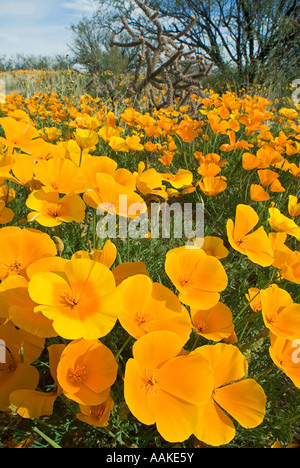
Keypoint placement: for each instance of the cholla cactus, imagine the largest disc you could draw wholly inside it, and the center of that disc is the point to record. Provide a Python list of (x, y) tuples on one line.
[(163, 63)]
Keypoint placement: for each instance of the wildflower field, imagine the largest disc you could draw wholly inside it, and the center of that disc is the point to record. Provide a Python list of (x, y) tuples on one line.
[(148, 341)]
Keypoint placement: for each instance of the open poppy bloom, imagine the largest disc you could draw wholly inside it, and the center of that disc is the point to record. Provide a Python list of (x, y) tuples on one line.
[(281, 315), (256, 245), (290, 270), (212, 186), (97, 415), (163, 387), (114, 198), (232, 395), (149, 182), (281, 223), (198, 277), (50, 210), (103, 164), (23, 247), (82, 300), (17, 134), (149, 306), (16, 305), (86, 371), (281, 251), (213, 324), (34, 403), (16, 372), (60, 175)]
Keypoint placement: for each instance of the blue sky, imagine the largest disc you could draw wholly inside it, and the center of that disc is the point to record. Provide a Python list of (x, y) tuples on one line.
[(40, 27)]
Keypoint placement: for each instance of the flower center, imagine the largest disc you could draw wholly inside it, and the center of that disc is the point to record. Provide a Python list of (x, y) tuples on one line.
[(183, 281), (77, 375), (200, 326), (15, 267), (53, 211), (97, 411), (141, 318), (56, 185), (149, 381), (71, 299)]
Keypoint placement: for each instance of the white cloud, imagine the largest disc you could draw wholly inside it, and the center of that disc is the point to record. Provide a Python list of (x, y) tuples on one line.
[(82, 6)]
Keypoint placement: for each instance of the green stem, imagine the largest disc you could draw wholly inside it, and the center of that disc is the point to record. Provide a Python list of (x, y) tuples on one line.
[(50, 441), (123, 347), (253, 340)]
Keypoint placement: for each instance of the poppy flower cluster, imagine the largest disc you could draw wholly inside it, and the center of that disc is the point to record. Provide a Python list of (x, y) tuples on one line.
[(64, 292)]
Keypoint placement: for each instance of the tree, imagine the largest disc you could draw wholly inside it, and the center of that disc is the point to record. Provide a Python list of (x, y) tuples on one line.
[(163, 62), (251, 39)]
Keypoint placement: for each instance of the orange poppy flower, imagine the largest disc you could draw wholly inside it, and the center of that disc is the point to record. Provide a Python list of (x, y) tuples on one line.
[(213, 324), (148, 306), (163, 387), (276, 186), (86, 371), (109, 196), (212, 186), (212, 245), (198, 277), (107, 132), (50, 210), (6, 214), (14, 372), (86, 139), (244, 400), (253, 297), (255, 245), (293, 206), (33, 403), (290, 270), (183, 178), (208, 169), (107, 255), (281, 223), (22, 170), (258, 193), (82, 300), (150, 182), (97, 415), (127, 269), (17, 134), (23, 247), (103, 164), (217, 124), (266, 176), (17, 306), (60, 175), (233, 144), (281, 252), (281, 315)]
